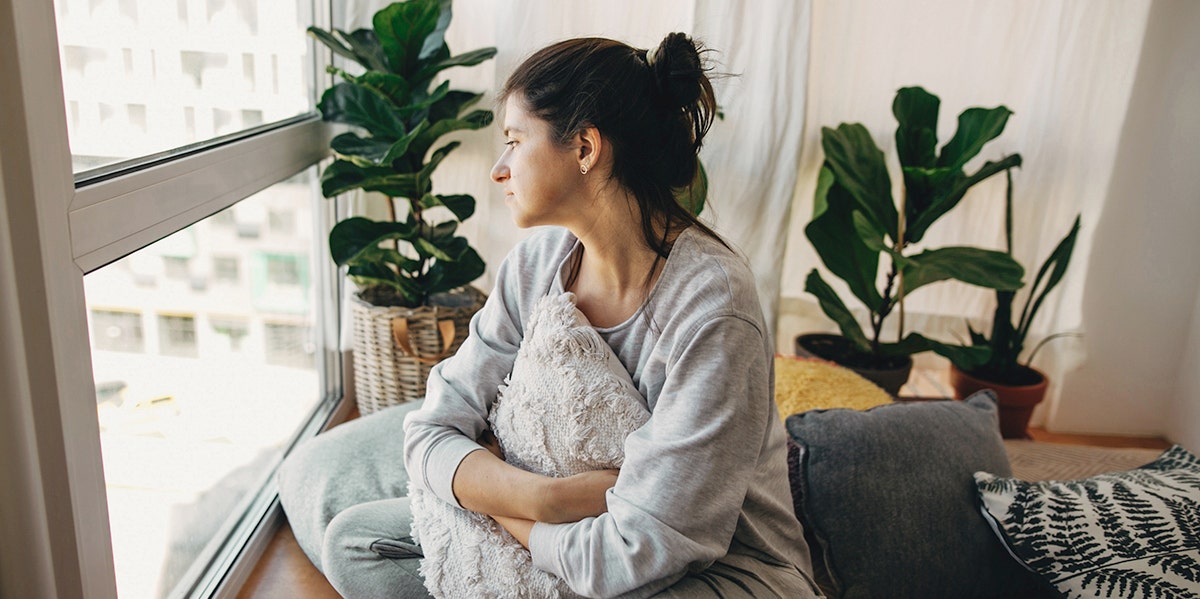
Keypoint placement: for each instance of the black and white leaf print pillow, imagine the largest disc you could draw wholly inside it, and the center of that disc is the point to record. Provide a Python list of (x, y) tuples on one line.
[(1124, 534)]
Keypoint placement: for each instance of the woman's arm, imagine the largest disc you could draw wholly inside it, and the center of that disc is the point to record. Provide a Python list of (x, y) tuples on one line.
[(485, 483), (686, 473)]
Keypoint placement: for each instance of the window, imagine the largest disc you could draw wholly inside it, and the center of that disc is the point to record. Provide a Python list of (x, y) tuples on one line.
[(185, 445), (151, 81), (157, 469), (226, 269), (177, 335), (288, 344), (117, 330)]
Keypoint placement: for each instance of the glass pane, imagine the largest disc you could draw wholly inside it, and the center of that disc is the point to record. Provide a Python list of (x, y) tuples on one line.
[(141, 77), (206, 361)]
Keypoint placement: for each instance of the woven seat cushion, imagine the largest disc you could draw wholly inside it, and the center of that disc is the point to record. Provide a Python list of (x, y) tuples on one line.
[(803, 384)]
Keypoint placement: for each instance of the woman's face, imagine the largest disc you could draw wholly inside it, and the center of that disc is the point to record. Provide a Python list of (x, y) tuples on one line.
[(541, 179)]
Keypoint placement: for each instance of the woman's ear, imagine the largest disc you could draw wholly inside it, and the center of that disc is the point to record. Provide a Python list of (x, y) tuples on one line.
[(591, 148)]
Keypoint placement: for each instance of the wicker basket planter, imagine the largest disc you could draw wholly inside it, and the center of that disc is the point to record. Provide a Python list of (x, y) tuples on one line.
[(395, 347)]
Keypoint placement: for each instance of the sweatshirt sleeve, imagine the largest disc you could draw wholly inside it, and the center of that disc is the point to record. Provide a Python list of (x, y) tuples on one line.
[(461, 389), (686, 473)]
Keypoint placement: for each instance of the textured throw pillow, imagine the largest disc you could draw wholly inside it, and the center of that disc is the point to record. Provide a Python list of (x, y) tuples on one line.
[(888, 500), (1124, 534), (566, 408), (803, 384)]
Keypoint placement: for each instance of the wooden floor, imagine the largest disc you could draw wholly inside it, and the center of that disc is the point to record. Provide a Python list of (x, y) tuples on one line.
[(284, 572)]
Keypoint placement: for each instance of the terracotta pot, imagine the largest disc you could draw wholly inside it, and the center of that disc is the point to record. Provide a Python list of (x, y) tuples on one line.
[(1016, 402), (837, 349)]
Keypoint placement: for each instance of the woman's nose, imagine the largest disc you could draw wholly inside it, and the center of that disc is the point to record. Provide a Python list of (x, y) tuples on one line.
[(500, 171)]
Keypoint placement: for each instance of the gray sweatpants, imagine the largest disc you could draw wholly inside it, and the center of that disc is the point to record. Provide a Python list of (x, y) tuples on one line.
[(344, 493)]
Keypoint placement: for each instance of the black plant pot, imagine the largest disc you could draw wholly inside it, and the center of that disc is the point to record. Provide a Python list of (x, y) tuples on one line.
[(890, 372)]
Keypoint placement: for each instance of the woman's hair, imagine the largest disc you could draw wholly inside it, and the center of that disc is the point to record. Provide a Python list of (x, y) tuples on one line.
[(653, 106)]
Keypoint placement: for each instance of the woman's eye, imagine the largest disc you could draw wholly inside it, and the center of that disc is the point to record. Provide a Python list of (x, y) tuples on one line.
[(510, 143)]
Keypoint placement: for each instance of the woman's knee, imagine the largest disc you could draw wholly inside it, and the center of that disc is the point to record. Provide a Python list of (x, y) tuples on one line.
[(362, 554)]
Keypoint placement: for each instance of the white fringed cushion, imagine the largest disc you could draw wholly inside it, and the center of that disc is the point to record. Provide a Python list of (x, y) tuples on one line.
[(566, 408)]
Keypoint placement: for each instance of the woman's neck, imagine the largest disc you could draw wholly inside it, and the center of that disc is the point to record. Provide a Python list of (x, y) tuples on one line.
[(617, 269)]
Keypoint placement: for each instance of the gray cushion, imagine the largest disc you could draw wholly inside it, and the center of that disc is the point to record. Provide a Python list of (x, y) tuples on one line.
[(888, 498), (1131, 534)]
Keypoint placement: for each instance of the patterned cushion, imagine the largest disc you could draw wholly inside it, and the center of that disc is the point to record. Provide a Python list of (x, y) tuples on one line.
[(1125, 534)]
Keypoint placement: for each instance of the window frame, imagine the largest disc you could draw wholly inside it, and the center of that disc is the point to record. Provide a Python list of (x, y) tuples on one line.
[(51, 235)]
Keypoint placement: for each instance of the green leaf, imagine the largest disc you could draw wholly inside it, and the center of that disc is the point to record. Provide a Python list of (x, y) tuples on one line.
[(467, 59), (476, 120), (1056, 265), (833, 307), (340, 177), (360, 106), (870, 236), (356, 235), (335, 45), (976, 127), (859, 167), (949, 191), (424, 182), (437, 38), (916, 137), (391, 256), (845, 255), (965, 357), (402, 28), (445, 276), (343, 176), (391, 86), (692, 197), (463, 206), (369, 148), (401, 148), (443, 230), (428, 248), (366, 46), (974, 266)]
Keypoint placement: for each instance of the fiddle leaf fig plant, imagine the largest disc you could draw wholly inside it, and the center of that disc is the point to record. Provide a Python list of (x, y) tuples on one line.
[(857, 226), (395, 121)]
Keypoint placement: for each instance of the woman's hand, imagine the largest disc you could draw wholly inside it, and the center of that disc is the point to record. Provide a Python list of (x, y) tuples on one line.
[(577, 497)]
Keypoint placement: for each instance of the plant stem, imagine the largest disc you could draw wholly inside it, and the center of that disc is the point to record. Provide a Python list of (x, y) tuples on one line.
[(391, 204), (884, 310), (900, 231)]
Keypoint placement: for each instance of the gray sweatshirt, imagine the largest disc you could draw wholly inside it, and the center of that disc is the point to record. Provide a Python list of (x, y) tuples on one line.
[(706, 476)]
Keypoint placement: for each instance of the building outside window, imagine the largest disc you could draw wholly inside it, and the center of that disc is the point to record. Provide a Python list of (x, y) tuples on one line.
[(117, 330), (177, 335)]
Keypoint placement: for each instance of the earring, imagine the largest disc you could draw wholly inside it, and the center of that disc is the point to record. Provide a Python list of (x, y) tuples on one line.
[(583, 169)]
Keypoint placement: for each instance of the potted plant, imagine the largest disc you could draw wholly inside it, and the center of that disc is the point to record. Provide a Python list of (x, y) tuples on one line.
[(857, 225), (1019, 386), (412, 270)]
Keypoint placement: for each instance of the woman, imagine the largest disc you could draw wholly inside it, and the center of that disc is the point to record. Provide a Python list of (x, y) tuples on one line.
[(598, 137)]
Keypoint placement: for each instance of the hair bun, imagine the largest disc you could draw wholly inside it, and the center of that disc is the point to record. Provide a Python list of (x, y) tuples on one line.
[(677, 70)]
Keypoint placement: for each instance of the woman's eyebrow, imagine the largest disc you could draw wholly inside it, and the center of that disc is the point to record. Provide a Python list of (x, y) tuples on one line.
[(510, 130)]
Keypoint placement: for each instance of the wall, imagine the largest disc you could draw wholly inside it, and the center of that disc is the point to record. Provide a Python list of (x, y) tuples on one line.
[(1143, 276)]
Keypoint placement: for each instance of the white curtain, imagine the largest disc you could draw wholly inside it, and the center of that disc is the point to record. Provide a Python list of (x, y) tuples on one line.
[(1068, 69)]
